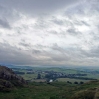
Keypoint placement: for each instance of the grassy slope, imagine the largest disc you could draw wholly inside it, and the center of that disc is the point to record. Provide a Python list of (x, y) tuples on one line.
[(56, 90)]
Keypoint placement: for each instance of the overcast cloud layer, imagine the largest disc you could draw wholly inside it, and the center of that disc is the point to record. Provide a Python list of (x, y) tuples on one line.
[(49, 32)]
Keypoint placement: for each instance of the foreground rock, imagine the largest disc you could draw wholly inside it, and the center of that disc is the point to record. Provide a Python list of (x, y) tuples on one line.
[(8, 79)]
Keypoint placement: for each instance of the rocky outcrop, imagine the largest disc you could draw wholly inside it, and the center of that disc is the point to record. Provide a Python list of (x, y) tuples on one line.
[(8, 79)]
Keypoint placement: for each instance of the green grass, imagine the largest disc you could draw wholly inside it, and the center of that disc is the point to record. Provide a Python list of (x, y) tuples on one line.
[(35, 91), (55, 90)]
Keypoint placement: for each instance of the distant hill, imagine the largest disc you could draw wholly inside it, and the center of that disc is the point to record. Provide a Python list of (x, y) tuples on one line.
[(9, 80)]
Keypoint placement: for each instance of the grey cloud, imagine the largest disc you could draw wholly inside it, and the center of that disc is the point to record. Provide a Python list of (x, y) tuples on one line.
[(41, 23), (60, 34), (93, 53), (85, 23), (53, 32), (37, 6), (34, 51), (60, 58), (24, 44), (0, 34), (39, 46), (8, 16), (65, 21), (78, 9), (12, 55), (17, 56), (4, 24), (95, 37), (47, 53), (84, 7), (73, 32), (80, 23), (57, 48), (86, 55), (58, 21)]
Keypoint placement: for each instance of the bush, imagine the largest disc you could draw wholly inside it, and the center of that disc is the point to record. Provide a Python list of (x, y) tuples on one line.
[(81, 82), (75, 82)]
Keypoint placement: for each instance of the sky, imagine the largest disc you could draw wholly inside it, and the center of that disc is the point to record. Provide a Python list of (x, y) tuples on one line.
[(49, 32)]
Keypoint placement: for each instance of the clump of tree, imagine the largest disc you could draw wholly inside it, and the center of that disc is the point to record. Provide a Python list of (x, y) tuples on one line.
[(75, 82), (81, 82), (69, 82), (18, 72), (39, 76)]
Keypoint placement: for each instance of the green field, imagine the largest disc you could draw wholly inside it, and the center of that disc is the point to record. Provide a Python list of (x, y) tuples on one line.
[(29, 76), (96, 76), (71, 80)]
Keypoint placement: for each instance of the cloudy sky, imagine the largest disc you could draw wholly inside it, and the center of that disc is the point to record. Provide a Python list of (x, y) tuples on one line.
[(49, 32)]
